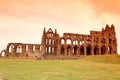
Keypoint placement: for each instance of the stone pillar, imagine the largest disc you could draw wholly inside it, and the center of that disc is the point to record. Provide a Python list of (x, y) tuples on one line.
[(78, 51), (114, 49), (99, 51), (7, 51), (23, 51), (71, 52), (85, 52), (92, 50), (29, 49), (47, 49), (43, 49), (65, 41), (14, 51), (65, 52), (50, 49), (58, 50)]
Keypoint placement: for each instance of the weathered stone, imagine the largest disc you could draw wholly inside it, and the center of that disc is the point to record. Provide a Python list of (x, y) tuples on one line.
[(70, 44)]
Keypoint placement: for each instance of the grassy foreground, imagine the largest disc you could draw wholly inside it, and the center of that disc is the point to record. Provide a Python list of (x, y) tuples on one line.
[(105, 67)]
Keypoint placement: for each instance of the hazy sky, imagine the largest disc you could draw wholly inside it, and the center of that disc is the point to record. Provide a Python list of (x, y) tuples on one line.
[(24, 20)]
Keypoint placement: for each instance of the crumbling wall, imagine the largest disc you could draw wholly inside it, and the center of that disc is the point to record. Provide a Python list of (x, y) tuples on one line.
[(70, 44)]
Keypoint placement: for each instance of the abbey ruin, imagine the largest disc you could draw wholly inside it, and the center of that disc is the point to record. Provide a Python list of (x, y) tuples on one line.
[(70, 44)]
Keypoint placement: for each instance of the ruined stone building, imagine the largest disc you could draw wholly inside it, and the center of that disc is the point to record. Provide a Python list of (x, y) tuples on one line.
[(70, 44)]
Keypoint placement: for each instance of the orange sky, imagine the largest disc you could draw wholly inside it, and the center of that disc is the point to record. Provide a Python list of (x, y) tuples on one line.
[(24, 20)]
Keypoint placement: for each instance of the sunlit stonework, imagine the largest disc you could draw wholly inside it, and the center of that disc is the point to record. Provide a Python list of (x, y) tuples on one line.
[(70, 45)]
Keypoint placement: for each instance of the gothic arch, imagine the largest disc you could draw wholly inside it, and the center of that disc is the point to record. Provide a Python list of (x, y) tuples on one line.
[(103, 49), (19, 48), (81, 42), (68, 49), (49, 41), (3, 53), (75, 42), (53, 49), (82, 50), (68, 41), (11, 48), (88, 41), (88, 50), (96, 50), (75, 48), (62, 41)]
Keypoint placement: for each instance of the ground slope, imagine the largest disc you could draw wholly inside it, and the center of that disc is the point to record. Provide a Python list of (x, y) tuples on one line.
[(105, 67)]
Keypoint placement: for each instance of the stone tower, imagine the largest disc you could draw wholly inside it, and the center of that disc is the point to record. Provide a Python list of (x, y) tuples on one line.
[(49, 42)]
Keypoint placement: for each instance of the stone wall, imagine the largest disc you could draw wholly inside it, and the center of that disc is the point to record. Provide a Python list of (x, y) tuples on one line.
[(70, 44)]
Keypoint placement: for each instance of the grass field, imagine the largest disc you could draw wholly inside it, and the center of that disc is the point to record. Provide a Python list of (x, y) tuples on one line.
[(105, 67)]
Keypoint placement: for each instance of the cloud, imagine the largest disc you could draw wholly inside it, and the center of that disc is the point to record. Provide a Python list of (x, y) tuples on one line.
[(105, 6)]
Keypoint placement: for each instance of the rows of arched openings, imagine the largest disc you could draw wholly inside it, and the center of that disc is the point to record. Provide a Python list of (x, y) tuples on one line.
[(50, 45), (32, 48), (81, 51), (50, 50), (50, 42), (103, 41), (76, 42), (16, 49), (20, 48)]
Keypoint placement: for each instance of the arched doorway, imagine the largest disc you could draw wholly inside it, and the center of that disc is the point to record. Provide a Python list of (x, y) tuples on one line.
[(68, 49), (75, 50), (96, 50), (82, 50), (62, 50), (103, 50), (88, 49)]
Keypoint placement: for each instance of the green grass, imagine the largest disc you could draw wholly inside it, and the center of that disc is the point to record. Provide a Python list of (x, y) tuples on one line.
[(105, 67)]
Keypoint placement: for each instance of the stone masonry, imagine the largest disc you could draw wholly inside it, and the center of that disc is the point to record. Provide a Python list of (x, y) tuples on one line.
[(70, 44)]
